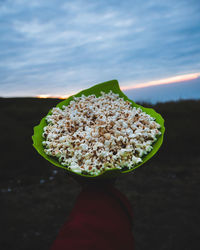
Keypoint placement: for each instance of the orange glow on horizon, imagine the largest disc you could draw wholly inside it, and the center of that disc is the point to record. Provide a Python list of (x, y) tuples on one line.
[(51, 96), (169, 80)]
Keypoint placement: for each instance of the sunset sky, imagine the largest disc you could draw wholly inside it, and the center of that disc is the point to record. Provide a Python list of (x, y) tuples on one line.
[(57, 47)]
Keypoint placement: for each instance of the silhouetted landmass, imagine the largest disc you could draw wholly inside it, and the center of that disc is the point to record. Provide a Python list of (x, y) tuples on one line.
[(36, 197)]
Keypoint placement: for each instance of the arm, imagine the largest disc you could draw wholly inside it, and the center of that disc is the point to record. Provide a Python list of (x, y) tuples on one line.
[(100, 219)]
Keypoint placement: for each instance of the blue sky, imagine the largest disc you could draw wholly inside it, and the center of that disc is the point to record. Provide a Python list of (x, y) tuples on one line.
[(59, 47)]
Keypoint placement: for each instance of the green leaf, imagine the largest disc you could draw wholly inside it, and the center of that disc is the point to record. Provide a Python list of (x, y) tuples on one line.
[(96, 89)]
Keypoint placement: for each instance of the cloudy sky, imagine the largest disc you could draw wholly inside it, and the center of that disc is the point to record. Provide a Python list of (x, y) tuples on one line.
[(60, 47)]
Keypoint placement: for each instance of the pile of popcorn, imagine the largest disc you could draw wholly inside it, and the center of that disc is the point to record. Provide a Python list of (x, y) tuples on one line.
[(93, 134)]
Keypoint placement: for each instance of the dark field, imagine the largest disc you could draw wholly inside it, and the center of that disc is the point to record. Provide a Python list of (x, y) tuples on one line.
[(36, 197)]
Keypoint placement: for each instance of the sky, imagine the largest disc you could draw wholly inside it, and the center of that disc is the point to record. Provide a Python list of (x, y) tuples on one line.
[(59, 47), (175, 91)]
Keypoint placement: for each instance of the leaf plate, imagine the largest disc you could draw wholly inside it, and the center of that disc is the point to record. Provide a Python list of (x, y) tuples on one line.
[(96, 89)]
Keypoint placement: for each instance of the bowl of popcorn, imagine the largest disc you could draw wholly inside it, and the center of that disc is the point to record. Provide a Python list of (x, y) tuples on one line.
[(99, 133)]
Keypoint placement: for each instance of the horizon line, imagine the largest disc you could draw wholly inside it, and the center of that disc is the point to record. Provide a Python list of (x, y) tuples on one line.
[(169, 80)]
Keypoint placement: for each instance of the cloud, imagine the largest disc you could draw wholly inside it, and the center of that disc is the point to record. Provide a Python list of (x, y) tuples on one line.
[(86, 42)]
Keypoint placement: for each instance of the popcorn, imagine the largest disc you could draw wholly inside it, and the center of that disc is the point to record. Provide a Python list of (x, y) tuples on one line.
[(93, 134)]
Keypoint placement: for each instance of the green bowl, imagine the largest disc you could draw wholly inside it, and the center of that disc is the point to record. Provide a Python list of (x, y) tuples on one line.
[(96, 89)]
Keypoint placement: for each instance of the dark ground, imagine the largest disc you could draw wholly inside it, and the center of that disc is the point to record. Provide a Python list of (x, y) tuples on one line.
[(36, 197)]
